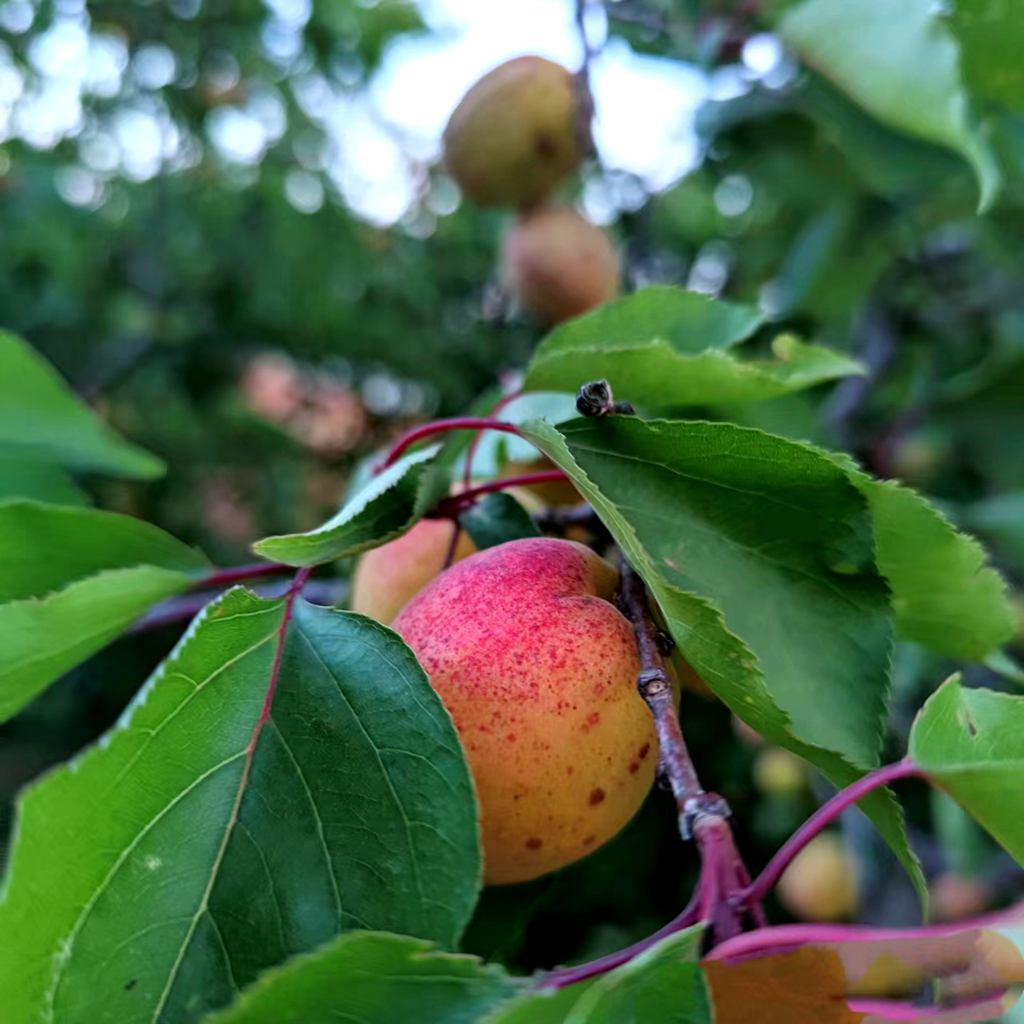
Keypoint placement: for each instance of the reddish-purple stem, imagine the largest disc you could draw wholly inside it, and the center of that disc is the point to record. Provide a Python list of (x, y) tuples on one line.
[(790, 936), (227, 577), (275, 672), (456, 503), (467, 473), (449, 555), (570, 975), (822, 817), (425, 430)]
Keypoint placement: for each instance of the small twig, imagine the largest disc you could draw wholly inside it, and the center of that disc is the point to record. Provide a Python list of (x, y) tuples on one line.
[(823, 816), (702, 816), (187, 606), (474, 444), (656, 689), (570, 975), (455, 504), (238, 573), (435, 427)]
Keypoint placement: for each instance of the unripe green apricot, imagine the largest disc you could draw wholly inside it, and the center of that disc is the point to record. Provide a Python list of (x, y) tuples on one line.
[(557, 265), (779, 773), (516, 134), (538, 670), (821, 883)]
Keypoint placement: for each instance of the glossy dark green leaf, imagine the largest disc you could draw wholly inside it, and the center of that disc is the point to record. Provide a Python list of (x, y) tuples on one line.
[(388, 505), (901, 63), (497, 518), (224, 825), (759, 553), (373, 978), (969, 742), (72, 579), (41, 418)]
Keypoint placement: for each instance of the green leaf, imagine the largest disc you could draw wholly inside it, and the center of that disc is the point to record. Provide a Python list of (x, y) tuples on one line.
[(969, 743), (225, 824), (991, 35), (47, 546), (373, 978), (899, 62), (543, 1006), (497, 518), (72, 579), (944, 595), (388, 506), (663, 984), (759, 552), (41, 418), (665, 348), (22, 477)]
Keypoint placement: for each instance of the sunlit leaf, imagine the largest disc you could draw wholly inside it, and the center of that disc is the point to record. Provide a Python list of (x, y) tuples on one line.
[(388, 505)]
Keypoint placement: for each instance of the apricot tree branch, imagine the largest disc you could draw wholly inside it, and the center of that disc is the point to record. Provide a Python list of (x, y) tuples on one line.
[(655, 687), (450, 507), (702, 816)]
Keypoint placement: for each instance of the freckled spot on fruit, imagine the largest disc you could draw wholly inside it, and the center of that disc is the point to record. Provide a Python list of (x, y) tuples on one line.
[(596, 796), (516, 796), (591, 720), (533, 843), (634, 767), (590, 840), (511, 737), (644, 751), (569, 769)]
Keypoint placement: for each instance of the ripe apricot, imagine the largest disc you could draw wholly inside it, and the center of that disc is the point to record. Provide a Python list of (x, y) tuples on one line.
[(387, 577), (557, 265), (538, 670), (821, 883), (515, 134)]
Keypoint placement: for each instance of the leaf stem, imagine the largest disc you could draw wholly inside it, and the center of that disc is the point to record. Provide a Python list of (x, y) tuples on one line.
[(474, 444), (564, 976), (822, 817), (425, 430), (238, 573), (451, 506)]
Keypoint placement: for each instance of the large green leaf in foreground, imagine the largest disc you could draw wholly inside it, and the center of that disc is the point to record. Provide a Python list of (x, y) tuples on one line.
[(388, 505), (41, 419), (222, 826), (71, 579), (971, 743)]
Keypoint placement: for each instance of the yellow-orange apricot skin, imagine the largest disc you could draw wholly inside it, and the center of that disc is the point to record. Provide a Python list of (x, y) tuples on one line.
[(515, 134), (821, 883), (557, 265), (386, 578), (538, 670)]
